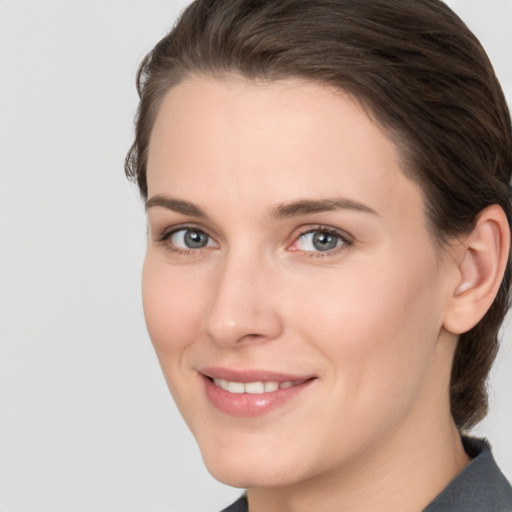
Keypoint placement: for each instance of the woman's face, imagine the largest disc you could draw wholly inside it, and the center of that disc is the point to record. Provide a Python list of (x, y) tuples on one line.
[(292, 291)]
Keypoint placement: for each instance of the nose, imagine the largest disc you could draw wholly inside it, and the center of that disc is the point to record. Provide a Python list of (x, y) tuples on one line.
[(243, 305)]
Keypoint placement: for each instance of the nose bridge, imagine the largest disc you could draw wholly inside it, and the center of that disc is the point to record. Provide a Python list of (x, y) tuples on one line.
[(242, 306)]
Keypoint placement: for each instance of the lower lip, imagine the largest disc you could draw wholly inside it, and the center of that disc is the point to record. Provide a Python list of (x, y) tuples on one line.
[(248, 404)]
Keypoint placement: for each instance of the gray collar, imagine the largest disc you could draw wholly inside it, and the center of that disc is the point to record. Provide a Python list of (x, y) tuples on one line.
[(479, 487)]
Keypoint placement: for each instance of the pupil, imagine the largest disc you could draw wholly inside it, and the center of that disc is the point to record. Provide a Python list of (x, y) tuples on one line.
[(324, 241), (195, 239)]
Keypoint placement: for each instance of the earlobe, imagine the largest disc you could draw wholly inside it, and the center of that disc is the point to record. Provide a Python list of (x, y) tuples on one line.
[(481, 264)]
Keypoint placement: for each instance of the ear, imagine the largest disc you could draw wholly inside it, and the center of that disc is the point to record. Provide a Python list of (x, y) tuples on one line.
[(481, 261)]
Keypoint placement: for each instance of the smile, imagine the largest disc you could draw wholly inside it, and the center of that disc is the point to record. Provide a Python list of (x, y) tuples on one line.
[(254, 388), (252, 393)]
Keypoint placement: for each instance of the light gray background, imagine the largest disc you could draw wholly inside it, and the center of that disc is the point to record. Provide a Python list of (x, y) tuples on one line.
[(86, 421)]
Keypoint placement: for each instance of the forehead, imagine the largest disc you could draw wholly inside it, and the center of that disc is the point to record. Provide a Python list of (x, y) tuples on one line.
[(271, 141)]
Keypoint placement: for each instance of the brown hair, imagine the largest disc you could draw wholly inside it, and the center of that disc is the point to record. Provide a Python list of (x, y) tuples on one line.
[(419, 72)]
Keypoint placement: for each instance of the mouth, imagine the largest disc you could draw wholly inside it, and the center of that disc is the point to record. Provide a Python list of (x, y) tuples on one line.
[(255, 388), (251, 393)]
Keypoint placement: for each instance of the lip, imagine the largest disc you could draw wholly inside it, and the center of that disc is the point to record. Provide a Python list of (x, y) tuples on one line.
[(246, 404), (251, 375)]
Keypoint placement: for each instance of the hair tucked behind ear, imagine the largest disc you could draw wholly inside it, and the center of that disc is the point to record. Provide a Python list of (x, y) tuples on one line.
[(419, 72)]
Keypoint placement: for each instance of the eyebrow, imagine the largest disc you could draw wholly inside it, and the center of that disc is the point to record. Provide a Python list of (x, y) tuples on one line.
[(279, 211), (176, 205), (309, 206)]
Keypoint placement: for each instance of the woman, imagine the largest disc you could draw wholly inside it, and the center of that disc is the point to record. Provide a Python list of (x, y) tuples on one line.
[(327, 268)]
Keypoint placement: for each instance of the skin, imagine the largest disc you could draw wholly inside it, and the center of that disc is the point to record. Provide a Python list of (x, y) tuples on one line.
[(367, 318)]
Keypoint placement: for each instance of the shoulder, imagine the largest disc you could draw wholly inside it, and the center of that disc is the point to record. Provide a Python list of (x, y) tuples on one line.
[(480, 486)]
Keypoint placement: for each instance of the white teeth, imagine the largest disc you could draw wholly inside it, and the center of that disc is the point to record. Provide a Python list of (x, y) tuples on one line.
[(224, 384), (271, 386), (236, 387), (253, 387)]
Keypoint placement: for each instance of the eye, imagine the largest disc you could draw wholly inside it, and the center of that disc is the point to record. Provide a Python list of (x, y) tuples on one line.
[(319, 240), (188, 238)]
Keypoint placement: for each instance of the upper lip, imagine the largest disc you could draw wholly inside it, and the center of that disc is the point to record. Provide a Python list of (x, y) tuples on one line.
[(252, 375)]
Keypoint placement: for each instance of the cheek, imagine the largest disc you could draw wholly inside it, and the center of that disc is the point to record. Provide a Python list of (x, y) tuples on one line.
[(172, 308), (377, 325)]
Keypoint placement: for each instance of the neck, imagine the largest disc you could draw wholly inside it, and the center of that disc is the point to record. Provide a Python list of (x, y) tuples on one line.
[(402, 473)]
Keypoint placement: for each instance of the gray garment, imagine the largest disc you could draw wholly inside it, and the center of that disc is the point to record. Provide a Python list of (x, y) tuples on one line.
[(479, 487)]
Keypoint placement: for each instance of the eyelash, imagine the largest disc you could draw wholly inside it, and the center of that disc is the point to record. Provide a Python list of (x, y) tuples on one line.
[(346, 241), (167, 234)]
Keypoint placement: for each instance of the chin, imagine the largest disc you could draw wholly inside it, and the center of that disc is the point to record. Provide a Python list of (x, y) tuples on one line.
[(249, 470), (247, 478)]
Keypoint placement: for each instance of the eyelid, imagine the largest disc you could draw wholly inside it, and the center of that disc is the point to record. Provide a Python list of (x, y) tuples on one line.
[(345, 237), (348, 240), (163, 236)]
